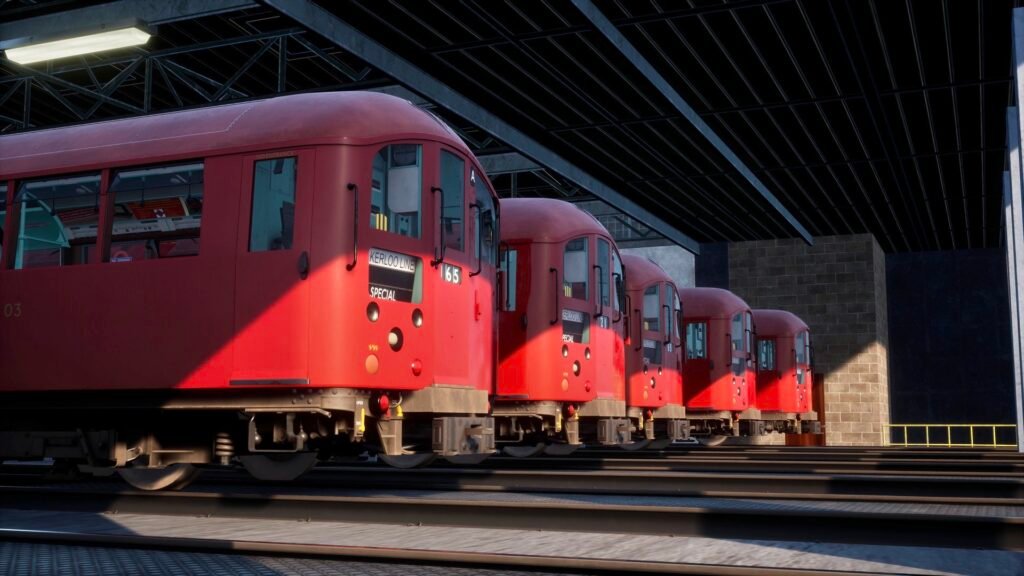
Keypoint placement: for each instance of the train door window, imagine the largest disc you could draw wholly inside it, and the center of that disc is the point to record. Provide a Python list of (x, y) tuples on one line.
[(666, 308), (737, 334), (696, 340), (576, 279), (453, 177), (677, 309), (800, 344), (58, 221), (157, 212), (652, 309), (486, 221), (749, 330), (603, 253), (396, 189), (273, 204), (619, 284), (766, 355), (509, 264)]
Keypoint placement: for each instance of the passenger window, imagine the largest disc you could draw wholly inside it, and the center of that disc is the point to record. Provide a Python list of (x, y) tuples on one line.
[(619, 297), (737, 333), (273, 205), (696, 340), (157, 212), (396, 190), (58, 222), (603, 249), (509, 264), (652, 309), (576, 280), (486, 221), (453, 171), (766, 355)]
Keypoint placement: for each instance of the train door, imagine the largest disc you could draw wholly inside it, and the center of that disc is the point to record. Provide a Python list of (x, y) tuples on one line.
[(653, 341), (484, 278), (770, 366), (697, 364), (455, 301), (738, 357), (607, 339), (271, 294), (673, 344)]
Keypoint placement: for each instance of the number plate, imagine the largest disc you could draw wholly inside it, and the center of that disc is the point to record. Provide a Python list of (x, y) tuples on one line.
[(450, 273)]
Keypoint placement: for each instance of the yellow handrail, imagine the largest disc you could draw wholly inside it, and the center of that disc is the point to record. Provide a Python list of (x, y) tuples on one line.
[(991, 430)]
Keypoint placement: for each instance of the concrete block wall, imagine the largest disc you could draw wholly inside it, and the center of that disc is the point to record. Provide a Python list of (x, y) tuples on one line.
[(838, 287), (677, 262)]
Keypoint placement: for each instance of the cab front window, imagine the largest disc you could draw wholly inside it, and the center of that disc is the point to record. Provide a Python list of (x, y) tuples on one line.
[(396, 190)]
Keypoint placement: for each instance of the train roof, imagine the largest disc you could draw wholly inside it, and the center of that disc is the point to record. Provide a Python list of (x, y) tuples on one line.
[(546, 220), (778, 323), (286, 121), (641, 271), (710, 303)]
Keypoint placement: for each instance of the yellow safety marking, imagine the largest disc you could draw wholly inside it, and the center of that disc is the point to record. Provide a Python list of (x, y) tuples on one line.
[(361, 424), (558, 421), (398, 411)]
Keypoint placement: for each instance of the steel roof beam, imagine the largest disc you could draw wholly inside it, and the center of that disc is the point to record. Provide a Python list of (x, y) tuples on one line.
[(619, 40), (329, 26), (90, 17)]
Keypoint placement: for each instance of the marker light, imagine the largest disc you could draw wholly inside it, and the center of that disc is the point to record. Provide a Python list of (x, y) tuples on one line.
[(99, 42)]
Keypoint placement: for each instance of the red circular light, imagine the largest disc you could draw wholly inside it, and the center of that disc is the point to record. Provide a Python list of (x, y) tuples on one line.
[(383, 403), (650, 414), (417, 367), (570, 410)]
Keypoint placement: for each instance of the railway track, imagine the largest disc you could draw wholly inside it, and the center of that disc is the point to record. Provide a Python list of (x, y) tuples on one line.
[(958, 527)]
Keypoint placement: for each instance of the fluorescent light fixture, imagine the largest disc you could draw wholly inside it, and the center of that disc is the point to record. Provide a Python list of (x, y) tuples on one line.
[(86, 44)]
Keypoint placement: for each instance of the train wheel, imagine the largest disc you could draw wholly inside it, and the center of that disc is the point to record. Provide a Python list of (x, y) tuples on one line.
[(659, 444), (413, 460), (633, 446), (278, 467), (524, 451), (172, 477), (713, 440), (561, 449)]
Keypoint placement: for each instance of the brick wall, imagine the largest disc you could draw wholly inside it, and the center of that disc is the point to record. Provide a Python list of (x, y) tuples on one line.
[(838, 287)]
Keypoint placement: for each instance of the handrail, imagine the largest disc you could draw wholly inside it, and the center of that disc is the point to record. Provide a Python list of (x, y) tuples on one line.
[(354, 188), (479, 237), (439, 258), (557, 297), (600, 291), (931, 441)]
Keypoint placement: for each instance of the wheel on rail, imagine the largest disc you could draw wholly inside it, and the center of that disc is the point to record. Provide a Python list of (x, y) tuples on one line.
[(561, 449), (524, 451), (468, 459), (278, 467), (712, 440), (634, 446), (170, 477), (410, 460), (659, 444)]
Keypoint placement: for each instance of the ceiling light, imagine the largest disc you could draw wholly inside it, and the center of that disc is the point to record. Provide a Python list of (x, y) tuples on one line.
[(85, 44)]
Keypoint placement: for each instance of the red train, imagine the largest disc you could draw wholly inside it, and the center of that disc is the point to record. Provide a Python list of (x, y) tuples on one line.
[(784, 372), (284, 280), (267, 279), (654, 353)]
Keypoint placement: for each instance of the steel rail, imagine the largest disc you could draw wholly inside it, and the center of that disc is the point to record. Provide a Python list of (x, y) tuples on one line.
[(717, 520), (392, 555)]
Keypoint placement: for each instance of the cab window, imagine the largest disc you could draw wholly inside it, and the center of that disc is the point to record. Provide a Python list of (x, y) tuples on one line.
[(486, 221), (696, 340), (157, 212), (677, 309), (737, 334), (273, 205), (395, 191), (800, 343), (766, 355), (3, 214), (576, 280), (453, 171), (652, 312), (58, 221)]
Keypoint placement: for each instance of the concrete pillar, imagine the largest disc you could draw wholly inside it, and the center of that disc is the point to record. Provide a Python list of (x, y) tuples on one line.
[(838, 287)]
